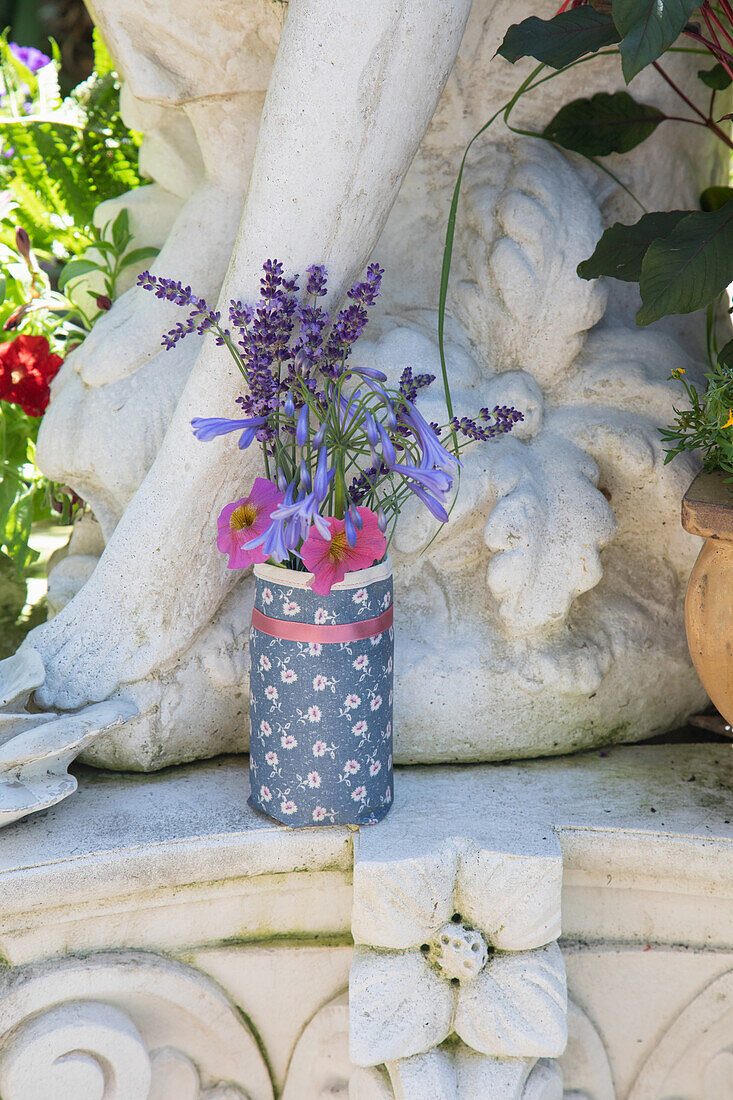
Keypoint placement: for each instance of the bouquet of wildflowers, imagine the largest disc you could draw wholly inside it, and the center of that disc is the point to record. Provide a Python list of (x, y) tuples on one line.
[(342, 450)]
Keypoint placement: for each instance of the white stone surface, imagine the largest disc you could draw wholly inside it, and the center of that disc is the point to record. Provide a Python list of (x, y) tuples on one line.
[(259, 915), (184, 846), (525, 629)]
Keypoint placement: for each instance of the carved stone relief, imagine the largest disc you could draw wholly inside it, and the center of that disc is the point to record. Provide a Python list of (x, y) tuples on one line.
[(694, 1058), (124, 1027), (455, 941), (524, 624), (321, 1069)]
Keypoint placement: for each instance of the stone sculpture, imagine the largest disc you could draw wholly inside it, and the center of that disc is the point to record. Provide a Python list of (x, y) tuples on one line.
[(547, 615)]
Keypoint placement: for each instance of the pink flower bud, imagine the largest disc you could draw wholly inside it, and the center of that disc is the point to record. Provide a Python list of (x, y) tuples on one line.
[(103, 302), (23, 242), (16, 317)]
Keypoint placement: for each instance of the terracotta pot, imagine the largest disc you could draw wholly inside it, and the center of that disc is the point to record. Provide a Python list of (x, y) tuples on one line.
[(707, 510)]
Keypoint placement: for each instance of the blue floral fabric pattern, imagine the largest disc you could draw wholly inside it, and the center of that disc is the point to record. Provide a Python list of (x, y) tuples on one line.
[(321, 712)]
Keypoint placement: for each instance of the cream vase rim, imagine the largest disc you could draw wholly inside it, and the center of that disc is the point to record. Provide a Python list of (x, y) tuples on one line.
[(293, 578)]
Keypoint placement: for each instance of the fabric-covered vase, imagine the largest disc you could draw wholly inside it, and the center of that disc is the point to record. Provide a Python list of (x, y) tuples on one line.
[(321, 698)]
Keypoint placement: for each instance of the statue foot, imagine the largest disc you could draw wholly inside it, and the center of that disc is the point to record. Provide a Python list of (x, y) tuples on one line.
[(184, 707), (36, 749), (196, 253), (125, 339), (87, 654)]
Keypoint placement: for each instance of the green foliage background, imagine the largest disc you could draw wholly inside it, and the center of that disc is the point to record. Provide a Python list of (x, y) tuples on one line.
[(59, 158)]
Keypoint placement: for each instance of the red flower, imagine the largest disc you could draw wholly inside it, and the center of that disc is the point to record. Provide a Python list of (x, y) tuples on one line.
[(26, 368)]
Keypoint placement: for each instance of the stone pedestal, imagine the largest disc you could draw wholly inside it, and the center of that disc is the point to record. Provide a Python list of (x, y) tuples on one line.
[(162, 941)]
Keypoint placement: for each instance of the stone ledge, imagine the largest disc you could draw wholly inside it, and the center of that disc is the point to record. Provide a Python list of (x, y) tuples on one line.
[(178, 857)]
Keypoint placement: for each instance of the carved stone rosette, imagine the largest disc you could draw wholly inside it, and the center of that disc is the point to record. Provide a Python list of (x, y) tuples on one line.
[(458, 984)]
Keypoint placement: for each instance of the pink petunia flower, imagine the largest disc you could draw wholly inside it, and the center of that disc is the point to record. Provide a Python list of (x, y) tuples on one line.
[(329, 560), (246, 519)]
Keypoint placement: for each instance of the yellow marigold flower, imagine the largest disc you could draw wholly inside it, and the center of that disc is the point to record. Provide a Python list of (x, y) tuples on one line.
[(678, 372), (729, 421)]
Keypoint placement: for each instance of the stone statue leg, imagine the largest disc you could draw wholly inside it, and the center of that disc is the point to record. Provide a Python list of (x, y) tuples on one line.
[(353, 90)]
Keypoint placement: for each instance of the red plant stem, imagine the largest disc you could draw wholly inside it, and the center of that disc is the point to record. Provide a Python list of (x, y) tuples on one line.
[(710, 16), (727, 9), (696, 110), (716, 50), (706, 14), (722, 55)]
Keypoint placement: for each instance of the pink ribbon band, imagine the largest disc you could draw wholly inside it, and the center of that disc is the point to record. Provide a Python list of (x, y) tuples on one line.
[(307, 632)]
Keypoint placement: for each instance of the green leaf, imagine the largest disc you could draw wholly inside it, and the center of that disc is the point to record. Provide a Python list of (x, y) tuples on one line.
[(621, 249), (713, 198), (76, 268), (561, 40), (605, 123), (103, 63), (648, 28), (689, 268), (121, 229), (725, 355), (137, 256), (716, 78)]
